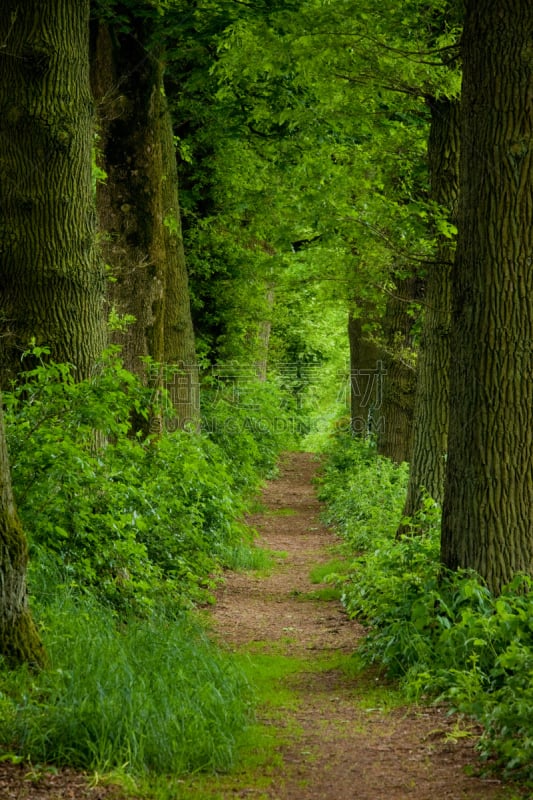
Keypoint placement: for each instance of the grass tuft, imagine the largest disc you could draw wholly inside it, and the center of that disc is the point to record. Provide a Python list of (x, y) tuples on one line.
[(331, 572), (248, 557), (152, 697)]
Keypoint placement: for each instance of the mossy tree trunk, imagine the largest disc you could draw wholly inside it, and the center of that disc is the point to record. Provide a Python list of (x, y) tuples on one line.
[(395, 428), (488, 503), (19, 640), (430, 426), (139, 211), (51, 278), (366, 376), (179, 346), (265, 329)]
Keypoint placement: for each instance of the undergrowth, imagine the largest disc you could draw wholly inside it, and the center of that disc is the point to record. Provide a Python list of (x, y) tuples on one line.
[(443, 634), (248, 424), (151, 696), (134, 521), (128, 533)]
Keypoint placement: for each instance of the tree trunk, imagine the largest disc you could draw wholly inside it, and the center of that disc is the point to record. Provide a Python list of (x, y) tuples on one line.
[(19, 640), (139, 214), (263, 337), (430, 427), (179, 346), (126, 83), (488, 503), (51, 278), (366, 377), (396, 415)]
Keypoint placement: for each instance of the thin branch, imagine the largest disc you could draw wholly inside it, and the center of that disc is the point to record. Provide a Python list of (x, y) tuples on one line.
[(399, 51), (393, 246), (402, 89)]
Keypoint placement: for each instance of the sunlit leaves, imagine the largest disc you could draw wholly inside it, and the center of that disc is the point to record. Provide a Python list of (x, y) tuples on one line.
[(301, 121)]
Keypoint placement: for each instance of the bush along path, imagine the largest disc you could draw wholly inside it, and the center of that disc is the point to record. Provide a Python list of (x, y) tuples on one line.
[(326, 730)]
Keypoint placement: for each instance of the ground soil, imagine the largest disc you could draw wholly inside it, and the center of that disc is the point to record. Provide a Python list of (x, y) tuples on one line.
[(332, 745)]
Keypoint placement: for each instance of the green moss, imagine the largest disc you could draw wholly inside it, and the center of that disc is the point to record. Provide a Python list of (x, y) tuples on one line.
[(14, 547), (19, 640), (21, 643), (280, 512)]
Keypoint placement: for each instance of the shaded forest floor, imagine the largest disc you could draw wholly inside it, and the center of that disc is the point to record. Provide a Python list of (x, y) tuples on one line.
[(325, 731)]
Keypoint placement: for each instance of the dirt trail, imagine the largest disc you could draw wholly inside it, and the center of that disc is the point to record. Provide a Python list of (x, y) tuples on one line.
[(343, 751)]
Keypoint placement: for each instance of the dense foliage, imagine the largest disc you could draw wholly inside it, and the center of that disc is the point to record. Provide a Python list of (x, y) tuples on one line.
[(126, 535), (250, 421), (444, 634), (126, 518)]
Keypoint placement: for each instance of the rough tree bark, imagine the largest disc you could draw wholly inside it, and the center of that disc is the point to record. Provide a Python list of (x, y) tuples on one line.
[(366, 378), (488, 503), (51, 278), (19, 640), (396, 416), (139, 211), (430, 426)]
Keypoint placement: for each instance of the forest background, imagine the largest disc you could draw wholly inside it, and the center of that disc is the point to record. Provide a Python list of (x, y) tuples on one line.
[(226, 227)]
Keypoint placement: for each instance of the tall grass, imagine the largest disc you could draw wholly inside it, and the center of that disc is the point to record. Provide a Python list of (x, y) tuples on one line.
[(151, 696)]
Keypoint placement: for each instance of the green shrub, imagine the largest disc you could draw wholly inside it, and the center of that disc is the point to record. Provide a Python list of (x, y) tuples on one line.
[(125, 533), (352, 480), (442, 633), (249, 425), (130, 520)]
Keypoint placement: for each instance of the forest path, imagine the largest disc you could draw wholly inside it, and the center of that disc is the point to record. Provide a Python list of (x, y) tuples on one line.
[(339, 736), (326, 732)]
